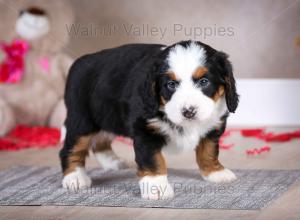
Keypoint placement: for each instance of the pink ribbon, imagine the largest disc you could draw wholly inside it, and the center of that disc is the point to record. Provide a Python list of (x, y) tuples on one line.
[(12, 68)]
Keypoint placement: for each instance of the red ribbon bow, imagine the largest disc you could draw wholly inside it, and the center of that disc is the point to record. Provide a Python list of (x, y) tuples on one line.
[(12, 68)]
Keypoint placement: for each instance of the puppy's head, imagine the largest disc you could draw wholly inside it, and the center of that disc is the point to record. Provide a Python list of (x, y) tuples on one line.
[(194, 81)]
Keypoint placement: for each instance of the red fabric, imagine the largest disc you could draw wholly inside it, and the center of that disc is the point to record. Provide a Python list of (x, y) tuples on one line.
[(26, 137), (124, 140), (256, 151), (226, 146), (222, 139), (12, 68), (6, 144), (267, 137), (270, 136), (251, 132)]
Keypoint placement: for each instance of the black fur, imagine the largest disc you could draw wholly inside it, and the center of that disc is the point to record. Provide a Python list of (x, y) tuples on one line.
[(117, 90), (224, 69)]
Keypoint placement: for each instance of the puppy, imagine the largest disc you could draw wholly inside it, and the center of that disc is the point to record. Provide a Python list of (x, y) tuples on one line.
[(174, 97)]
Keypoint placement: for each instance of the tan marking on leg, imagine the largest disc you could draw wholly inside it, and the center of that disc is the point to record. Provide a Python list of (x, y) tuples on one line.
[(160, 167), (207, 157), (79, 153)]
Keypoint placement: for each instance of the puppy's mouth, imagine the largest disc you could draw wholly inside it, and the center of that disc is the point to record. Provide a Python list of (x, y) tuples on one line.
[(162, 116)]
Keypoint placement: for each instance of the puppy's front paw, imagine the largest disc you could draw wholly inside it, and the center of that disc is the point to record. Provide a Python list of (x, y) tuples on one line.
[(76, 180), (221, 176), (156, 187)]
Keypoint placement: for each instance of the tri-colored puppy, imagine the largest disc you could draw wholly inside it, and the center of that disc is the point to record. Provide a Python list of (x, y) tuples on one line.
[(163, 97)]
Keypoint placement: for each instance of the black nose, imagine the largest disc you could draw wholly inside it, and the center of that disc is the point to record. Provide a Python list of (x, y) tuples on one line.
[(189, 113)]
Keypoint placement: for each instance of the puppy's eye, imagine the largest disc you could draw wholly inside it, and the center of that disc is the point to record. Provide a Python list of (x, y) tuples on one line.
[(172, 85), (203, 82)]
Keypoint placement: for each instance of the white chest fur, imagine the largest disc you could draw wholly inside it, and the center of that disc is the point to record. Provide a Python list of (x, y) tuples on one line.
[(186, 138), (189, 136)]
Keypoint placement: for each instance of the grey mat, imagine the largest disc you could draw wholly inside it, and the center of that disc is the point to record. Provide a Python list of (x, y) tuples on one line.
[(254, 189)]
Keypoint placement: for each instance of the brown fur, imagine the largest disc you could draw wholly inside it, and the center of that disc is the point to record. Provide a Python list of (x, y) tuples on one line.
[(199, 72), (207, 157), (153, 128), (220, 92), (79, 153), (36, 11), (102, 141), (160, 169), (162, 101), (172, 76)]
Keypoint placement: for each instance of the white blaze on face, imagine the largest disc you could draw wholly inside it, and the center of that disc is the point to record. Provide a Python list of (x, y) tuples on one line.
[(183, 62), (30, 26)]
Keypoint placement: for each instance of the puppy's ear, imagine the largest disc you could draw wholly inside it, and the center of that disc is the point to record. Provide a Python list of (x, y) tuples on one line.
[(231, 96), (148, 93)]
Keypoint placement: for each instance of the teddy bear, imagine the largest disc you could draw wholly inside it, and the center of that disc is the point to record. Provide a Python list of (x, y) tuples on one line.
[(33, 68)]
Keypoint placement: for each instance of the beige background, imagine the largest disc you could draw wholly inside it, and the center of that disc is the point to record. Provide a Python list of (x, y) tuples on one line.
[(263, 43), (262, 37)]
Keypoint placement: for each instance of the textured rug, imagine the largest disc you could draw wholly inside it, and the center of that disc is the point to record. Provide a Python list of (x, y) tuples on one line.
[(254, 189)]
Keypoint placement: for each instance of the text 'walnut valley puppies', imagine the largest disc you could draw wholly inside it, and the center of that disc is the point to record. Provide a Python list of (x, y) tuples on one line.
[(175, 97)]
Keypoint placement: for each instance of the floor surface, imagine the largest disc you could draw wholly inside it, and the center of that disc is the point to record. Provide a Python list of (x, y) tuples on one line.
[(282, 156)]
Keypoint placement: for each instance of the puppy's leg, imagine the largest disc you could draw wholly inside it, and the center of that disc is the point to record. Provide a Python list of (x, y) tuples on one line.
[(101, 146), (207, 158), (152, 171), (73, 157)]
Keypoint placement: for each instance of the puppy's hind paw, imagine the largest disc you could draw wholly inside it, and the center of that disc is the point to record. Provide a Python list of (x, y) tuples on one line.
[(109, 161)]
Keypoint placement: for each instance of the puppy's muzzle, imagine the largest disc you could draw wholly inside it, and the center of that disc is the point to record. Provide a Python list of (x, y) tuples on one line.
[(189, 113)]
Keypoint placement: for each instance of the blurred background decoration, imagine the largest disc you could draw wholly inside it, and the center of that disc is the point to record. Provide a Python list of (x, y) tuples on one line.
[(261, 37), (33, 67)]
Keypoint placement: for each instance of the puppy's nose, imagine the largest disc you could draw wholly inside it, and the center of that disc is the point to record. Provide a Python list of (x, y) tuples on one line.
[(189, 113)]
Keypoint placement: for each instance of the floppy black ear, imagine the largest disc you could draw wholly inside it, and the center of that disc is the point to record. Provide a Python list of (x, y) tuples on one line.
[(147, 90), (231, 96)]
